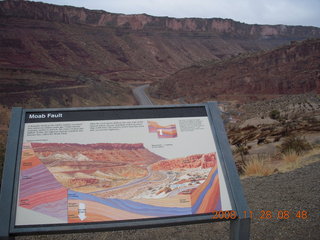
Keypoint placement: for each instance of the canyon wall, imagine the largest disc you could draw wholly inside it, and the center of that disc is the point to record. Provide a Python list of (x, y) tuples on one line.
[(292, 69), (68, 14)]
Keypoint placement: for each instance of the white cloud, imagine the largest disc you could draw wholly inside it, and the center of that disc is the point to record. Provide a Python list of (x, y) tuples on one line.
[(291, 12)]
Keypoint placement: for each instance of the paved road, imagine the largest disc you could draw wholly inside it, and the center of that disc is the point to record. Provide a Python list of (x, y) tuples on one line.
[(140, 95)]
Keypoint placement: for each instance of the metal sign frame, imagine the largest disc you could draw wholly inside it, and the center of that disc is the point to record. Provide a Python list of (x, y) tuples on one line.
[(239, 227)]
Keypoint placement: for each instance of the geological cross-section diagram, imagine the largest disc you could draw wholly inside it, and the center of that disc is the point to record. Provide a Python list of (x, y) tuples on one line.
[(98, 171), (102, 182)]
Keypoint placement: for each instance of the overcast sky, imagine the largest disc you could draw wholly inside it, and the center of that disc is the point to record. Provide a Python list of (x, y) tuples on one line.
[(289, 12)]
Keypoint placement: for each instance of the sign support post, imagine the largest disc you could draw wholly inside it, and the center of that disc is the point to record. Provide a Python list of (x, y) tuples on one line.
[(240, 229), (6, 193)]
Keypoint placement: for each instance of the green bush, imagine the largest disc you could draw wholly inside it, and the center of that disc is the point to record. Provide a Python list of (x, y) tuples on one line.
[(296, 144), (274, 114)]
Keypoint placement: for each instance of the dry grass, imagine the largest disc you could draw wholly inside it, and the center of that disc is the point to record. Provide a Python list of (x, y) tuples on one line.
[(257, 166), (290, 157), (262, 165), (292, 160)]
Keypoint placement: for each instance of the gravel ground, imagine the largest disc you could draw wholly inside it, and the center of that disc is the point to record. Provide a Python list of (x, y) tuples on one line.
[(291, 191)]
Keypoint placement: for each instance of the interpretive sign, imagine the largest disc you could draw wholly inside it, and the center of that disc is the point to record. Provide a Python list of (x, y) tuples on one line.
[(109, 168)]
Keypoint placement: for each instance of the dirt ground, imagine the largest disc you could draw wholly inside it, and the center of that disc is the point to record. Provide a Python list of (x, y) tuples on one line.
[(290, 191)]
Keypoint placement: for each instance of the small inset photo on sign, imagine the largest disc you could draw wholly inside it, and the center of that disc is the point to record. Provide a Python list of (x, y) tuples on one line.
[(169, 131)]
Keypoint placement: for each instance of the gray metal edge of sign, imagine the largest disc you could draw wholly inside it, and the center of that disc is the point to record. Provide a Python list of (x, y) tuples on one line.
[(240, 227), (17, 172), (6, 194), (214, 116), (229, 168), (114, 107), (237, 200)]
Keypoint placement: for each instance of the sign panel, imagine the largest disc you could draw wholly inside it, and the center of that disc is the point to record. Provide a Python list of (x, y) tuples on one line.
[(85, 166)]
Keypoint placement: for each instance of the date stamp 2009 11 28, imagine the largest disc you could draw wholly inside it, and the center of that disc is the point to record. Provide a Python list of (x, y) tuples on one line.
[(263, 214)]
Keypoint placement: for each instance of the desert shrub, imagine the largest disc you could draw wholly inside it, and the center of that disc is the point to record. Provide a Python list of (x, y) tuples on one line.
[(242, 150), (295, 144), (256, 166), (292, 160), (290, 157), (274, 114)]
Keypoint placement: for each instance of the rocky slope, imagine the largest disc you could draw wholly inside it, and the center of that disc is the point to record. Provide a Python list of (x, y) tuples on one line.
[(291, 69)]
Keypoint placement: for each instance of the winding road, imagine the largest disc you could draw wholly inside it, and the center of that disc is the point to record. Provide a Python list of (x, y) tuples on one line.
[(141, 96)]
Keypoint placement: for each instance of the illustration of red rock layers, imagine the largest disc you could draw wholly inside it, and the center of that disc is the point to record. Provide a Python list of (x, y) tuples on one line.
[(76, 183), (169, 131), (39, 190), (206, 198)]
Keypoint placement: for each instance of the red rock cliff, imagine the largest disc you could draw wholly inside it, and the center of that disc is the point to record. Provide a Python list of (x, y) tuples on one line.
[(68, 14)]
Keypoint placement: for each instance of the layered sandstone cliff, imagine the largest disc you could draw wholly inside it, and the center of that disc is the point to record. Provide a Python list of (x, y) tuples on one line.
[(68, 14)]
